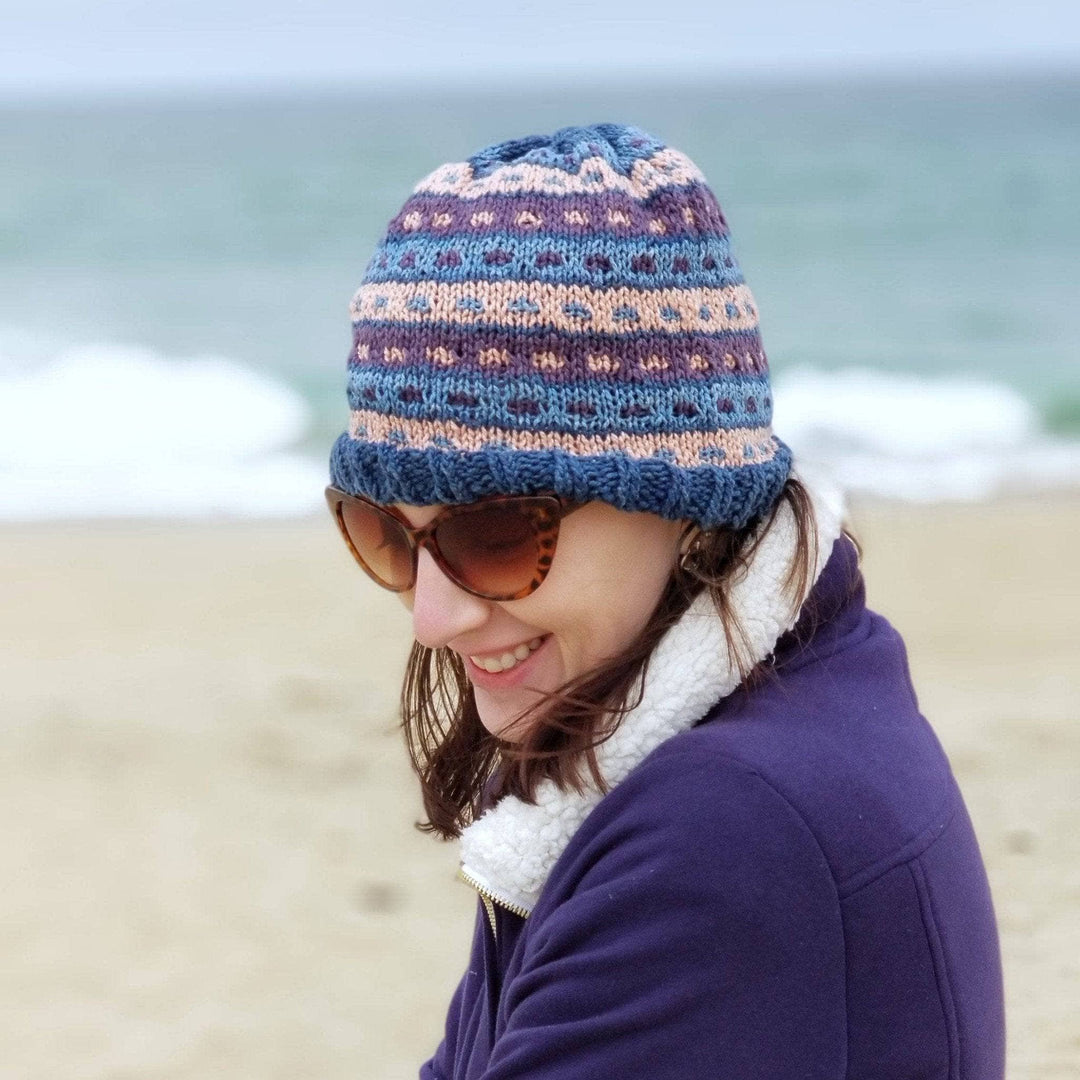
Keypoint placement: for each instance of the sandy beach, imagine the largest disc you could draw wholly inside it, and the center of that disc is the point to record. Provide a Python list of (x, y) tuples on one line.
[(211, 866)]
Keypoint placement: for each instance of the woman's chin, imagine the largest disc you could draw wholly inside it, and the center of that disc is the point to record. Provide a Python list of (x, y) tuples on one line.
[(500, 712)]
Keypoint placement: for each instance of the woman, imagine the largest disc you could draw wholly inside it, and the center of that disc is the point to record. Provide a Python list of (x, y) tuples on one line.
[(710, 832)]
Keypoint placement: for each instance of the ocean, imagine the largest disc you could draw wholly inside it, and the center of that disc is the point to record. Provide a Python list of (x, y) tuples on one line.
[(175, 275)]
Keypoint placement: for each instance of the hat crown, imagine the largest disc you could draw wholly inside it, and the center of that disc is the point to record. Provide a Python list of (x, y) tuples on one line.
[(620, 145)]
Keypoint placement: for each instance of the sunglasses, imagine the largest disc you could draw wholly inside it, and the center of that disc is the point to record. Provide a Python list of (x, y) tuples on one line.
[(499, 548)]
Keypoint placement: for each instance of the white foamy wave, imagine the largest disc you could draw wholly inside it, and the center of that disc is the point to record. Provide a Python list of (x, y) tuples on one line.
[(919, 439), (110, 431)]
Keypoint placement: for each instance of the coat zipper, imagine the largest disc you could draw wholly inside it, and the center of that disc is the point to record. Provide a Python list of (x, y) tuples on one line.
[(489, 900)]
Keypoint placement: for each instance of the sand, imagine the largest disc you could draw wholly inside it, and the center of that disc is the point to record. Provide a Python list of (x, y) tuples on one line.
[(206, 819)]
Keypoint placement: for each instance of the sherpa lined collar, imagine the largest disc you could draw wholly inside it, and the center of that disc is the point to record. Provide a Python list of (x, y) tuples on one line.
[(509, 851)]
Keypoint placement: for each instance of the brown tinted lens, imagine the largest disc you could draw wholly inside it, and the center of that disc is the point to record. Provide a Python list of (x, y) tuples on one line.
[(380, 542), (494, 550)]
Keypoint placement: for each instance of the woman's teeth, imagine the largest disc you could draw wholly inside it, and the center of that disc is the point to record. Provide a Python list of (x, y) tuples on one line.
[(495, 664)]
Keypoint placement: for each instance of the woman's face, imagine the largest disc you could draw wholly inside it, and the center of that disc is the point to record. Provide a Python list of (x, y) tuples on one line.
[(609, 571)]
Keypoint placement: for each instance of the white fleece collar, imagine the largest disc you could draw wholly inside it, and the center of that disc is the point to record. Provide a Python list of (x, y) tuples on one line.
[(510, 850)]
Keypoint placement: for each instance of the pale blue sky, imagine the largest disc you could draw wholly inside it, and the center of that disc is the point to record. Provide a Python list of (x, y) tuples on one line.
[(51, 45)]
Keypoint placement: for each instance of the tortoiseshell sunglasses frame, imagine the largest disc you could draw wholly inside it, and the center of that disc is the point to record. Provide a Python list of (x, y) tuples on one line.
[(547, 512)]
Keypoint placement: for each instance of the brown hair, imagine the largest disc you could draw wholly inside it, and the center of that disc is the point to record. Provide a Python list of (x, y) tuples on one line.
[(462, 767)]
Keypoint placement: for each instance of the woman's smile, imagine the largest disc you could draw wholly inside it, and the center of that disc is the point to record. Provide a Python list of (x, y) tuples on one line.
[(502, 660), (491, 674)]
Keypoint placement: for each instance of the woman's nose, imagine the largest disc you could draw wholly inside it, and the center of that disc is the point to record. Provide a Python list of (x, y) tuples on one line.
[(441, 611)]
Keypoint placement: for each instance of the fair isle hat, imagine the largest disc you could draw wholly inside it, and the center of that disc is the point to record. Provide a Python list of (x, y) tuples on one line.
[(562, 313)]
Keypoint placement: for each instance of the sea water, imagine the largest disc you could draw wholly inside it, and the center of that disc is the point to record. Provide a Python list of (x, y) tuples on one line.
[(175, 275)]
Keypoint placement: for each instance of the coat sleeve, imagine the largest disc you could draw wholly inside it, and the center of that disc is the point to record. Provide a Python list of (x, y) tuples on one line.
[(690, 930)]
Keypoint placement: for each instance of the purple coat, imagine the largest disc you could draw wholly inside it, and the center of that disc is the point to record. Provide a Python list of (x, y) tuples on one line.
[(789, 889)]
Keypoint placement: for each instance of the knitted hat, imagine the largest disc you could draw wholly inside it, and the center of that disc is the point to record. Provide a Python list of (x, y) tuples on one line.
[(562, 313)]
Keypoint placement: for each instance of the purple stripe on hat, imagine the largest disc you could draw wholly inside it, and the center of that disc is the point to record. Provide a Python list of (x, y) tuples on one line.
[(676, 211), (622, 358)]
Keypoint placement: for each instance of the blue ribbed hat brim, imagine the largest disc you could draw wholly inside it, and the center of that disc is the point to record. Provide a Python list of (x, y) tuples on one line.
[(711, 495)]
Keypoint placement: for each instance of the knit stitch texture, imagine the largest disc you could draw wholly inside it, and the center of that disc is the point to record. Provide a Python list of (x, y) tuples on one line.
[(562, 314)]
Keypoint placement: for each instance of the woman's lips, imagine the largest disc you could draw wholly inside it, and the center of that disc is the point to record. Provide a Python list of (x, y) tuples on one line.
[(513, 676)]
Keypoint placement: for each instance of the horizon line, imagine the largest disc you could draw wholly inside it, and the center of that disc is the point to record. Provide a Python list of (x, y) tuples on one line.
[(883, 69)]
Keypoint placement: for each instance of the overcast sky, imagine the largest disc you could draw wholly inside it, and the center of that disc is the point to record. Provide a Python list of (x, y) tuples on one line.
[(50, 45)]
